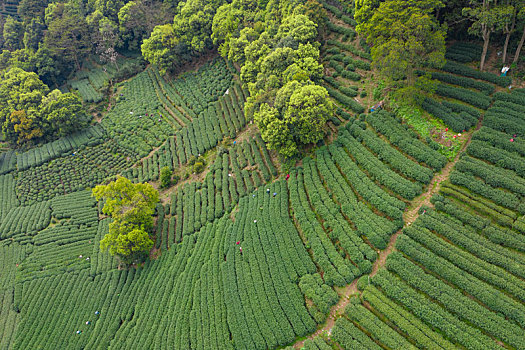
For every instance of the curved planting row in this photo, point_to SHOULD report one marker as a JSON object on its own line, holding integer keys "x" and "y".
{"x": 406, "y": 140}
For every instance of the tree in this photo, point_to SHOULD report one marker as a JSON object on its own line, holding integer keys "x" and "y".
{"x": 138, "y": 18}
{"x": 32, "y": 9}
{"x": 33, "y": 34}
{"x": 192, "y": 25}
{"x": 299, "y": 28}
{"x": 29, "y": 111}
{"x": 165, "y": 177}
{"x": 190, "y": 34}
{"x": 364, "y": 10}
{"x": 63, "y": 113}
{"x": 297, "y": 118}
{"x": 22, "y": 128}
{"x": 521, "y": 16}
{"x": 225, "y": 23}
{"x": 47, "y": 68}
{"x": 164, "y": 49}
{"x": 510, "y": 23}
{"x": 21, "y": 94}
{"x": 404, "y": 37}
{"x": 108, "y": 8}
{"x": 13, "y": 34}
{"x": 68, "y": 39}
{"x": 106, "y": 38}
{"x": 308, "y": 110}
{"x": 488, "y": 17}
{"x": 131, "y": 206}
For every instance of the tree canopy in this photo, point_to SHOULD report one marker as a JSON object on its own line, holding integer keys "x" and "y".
{"x": 131, "y": 206}
{"x": 487, "y": 17}
{"x": 280, "y": 65}
{"x": 53, "y": 39}
{"x": 28, "y": 110}
{"x": 297, "y": 118}
{"x": 404, "y": 36}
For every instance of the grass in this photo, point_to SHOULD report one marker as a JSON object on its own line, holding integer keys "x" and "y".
{"x": 424, "y": 124}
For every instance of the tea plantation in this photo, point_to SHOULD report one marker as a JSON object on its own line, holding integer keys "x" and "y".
{"x": 376, "y": 239}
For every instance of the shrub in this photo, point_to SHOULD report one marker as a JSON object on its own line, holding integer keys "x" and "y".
{"x": 474, "y": 98}
{"x": 198, "y": 167}
{"x": 165, "y": 177}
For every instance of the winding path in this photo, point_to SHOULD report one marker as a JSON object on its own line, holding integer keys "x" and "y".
{"x": 409, "y": 216}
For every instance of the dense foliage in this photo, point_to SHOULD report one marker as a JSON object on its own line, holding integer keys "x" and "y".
{"x": 404, "y": 35}
{"x": 131, "y": 207}
{"x": 53, "y": 38}
{"x": 30, "y": 111}
{"x": 249, "y": 250}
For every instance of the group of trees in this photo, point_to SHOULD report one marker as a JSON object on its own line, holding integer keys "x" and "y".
{"x": 276, "y": 44}
{"x": 280, "y": 65}
{"x": 52, "y": 38}
{"x": 404, "y": 36}
{"x": 30, "y": 111}
{"x": 131, "y": 207}
{"x": 496, "y": 17}
{"x": 408, "y": 35}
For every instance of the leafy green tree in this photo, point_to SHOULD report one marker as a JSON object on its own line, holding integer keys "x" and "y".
{"x": 29, "y": 111}
{"x": 297, "y": 118}
{"x": 131, "y": 206}
{"x": 297, "y": 27}
{"x": 32, "y": 9}
{"x": 21, "y": 127}
{"x": 138, "y": 18}
{"x": 308, "y": 110}
{"x": 404, "y": 37}
{"x": 316, "y": 12}
{"x": 521, "y": 17}
{"x": 22, "y": 59}
{"x": 108, "y": 8}
{"x": 225, "y": 23}
{"x": 48, "y": 69}
{"x": 20, "y": 91}
{"x": 275, "y": 131}
{"x": 364, "y": 10}
{"x": 63, "y": 113}
{"x": 189, "y": 35}
{"x": 127, "y": 242}
{"x": 487, "y": 17}
{"x": 13, "y": 34}
{"x": 33, "y": 34}
{"x": 68, "y": 39}
{"x": 164, "y": 49}
{"x": 132, "y": 20}
{"x": 165, "y": 177}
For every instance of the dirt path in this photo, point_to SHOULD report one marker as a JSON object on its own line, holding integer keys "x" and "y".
{"x": 409, "y": 216}
{"x": 249, "y": 131}
{"x": 336, "y": 310}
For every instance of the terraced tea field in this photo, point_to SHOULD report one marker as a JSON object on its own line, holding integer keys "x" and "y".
{"x": 382, "y": 238}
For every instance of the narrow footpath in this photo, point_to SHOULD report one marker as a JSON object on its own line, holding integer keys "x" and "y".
{"x": 409, "y": 216}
